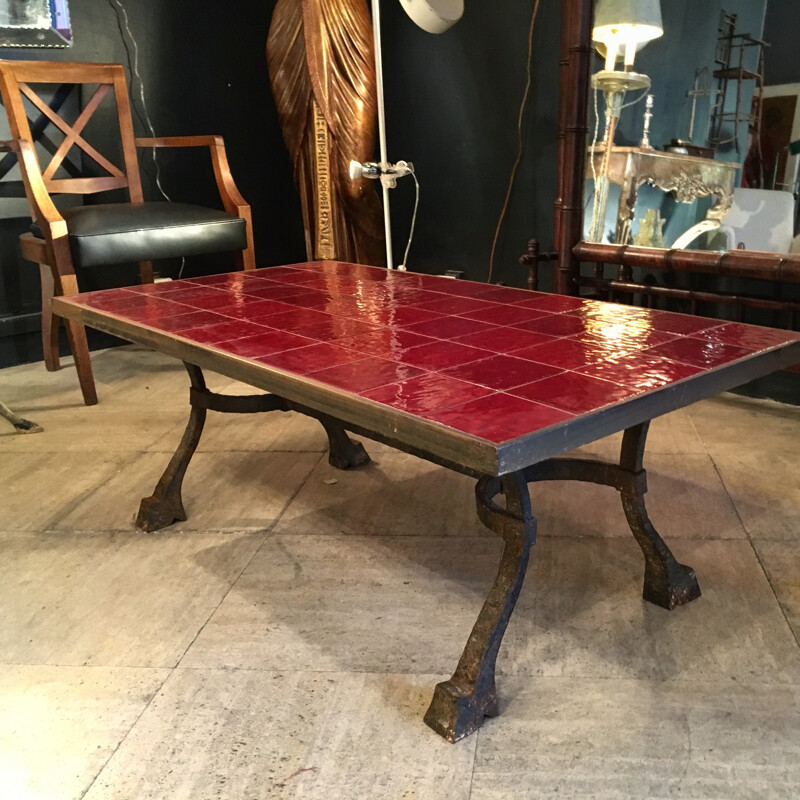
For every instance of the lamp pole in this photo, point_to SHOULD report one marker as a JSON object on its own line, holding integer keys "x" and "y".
{"x": 384, "y": 162}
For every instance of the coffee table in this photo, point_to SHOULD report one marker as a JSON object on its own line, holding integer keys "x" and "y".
{"x": 489, "y": 381}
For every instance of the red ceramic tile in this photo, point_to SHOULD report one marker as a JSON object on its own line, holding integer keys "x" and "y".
{"x": 294, "y": 319}
{"x": 569, "y": 353}
{"x": 152, "y": 313}
{"x": 699, "y": 352}
{"x": 427, "y": 394}
{"x": 194, "y": 319}
{"x": 440, "y": 355}
{"x": 750, "y": 337}
{"x": 313, "y": 358}
{"x": 222, "y": 332}
{"x": 501, "y": 315}
{"x": 262, "y": 344}
{"x": 280, "y": 272}
{"x": 365, "y": 374}
{"x": 209, "y": 302}
{"x": 552, "y": 302}
{"x": 641, "y": 371}
{"x": 499, "y": 417}
{"x": 458, "y": 288}
{"x": 555, "y": 325}
{"x": 306, "y": 298}
{"x": 158, "y": 288}
{"x": 401, "y": 316}
{"x": 334, "y": 330}
{"x": 385, "y": 341}
{"x": 271, "y": 290}
{"x": 573, "y": 392}
{"x": 252, "y": 308}
{"x": 449, "y": 327}
{"x": 457, "y": 305}
{"x": 504, "y": 340}
{"x": 680, "y": 323}
{"x": 501, "y": 372}
{"x": 505, "y": 294}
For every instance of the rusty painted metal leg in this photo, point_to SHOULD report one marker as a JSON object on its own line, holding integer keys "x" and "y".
{"x": 666, "y": 582}
{"x": 459, "y": 705}
{"x": 165, "y": 505}
{"x": 343, "y": 453}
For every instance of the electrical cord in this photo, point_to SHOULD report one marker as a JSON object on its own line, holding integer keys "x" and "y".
{"x": 133, "y": 65}
{"x": 403, "y": 266}
{"x": 520, "y": 144}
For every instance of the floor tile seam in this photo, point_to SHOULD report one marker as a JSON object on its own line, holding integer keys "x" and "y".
{"x": 756, "y": 554}
{"x": 146, "y": 706}
{"x": 268, "y": 536}
{"x": 67, "y": 665}
{"x": 83, "y": 497}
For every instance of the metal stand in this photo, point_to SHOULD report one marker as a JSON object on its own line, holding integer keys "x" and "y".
{"x": 460, "y": 704}
{"x": 165, "y": 505}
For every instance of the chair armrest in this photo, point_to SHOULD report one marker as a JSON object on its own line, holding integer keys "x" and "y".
{"x": 43, "y": 210}
{"x": 232, "y": 199}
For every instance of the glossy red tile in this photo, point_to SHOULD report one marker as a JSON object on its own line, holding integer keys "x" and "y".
{"x": 457, "y": 305}
{"x": 501, "y": 372}
{"x": 440, "y": 355}
{"x": 252, "y": 308}
{"x": 427, "y": 394}
{"x": 335, "y": 330}
{"x": 573, "y": 392}
{"x": 552, "y": 302}
{"x": 271, "y": 290}
{"x": 750, "y": 337}
{"x": 449, "y": 327}
{"x": 505, "y": 294}
{"x": 458, "y": 288}
{"x": 222, "y": 332}
{"x": 569, "y": 353}
{"x": 504, "y": 340}
{"x": 193, "y": 319}
{"x": 401, "y": 316}
{"x": 500, "y": 417}
{"x": 641, "y": 371}
{"x": 312, "y": 358}
{"x": 365, "y": 374}
{"x": 385, "y": 341}
{"x": 699, "y": 352}
{"x": 680, "y": 323}
{"x": 262, "y": 344}
{"x": 554, "y": 325}
{"x": 294, "y": 319}
{"x": 501, "y": 315}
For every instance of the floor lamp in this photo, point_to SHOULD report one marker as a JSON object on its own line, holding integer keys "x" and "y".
{"x": 433, "y": 16}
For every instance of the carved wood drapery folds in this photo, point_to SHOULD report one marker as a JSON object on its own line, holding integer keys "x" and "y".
{"x": 320, "y": 55}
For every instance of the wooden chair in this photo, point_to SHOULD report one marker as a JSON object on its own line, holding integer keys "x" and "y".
{"x": 110, "y": 233}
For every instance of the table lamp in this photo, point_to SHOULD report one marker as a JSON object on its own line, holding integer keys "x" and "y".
{"x": 621, "y": 28}
{"x": 433, "y": 16}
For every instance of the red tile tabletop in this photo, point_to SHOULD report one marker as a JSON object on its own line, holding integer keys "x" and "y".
{"x": 484, "y": 361}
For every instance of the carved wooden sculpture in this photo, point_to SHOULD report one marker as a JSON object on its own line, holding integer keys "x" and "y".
{"x": 320, "y": 55}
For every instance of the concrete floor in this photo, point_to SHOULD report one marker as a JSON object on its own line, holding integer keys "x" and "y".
{"x": 284, "y": 641}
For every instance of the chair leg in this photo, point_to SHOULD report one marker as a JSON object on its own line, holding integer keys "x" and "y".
{"x": 76, "y": 334}
{"x": 146, "y": 271}
{"x": 246, "y": 259}
{"x": 49, "y": 320}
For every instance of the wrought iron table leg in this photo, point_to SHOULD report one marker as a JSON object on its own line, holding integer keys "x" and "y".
{"x": 666, "y": 582}
{"x": 343, "y": 452}
{"x": 460, "y": 704}
{"x": 165, "y": 505}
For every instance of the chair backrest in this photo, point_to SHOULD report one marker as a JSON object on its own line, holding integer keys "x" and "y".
{"x": 17, "y": 81}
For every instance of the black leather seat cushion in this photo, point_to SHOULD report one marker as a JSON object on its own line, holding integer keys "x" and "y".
{"x": 116, "y": 233}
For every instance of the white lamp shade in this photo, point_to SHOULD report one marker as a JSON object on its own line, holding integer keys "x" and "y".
{"x": 434, "y": 16}
{"x": 631, "y": 22}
